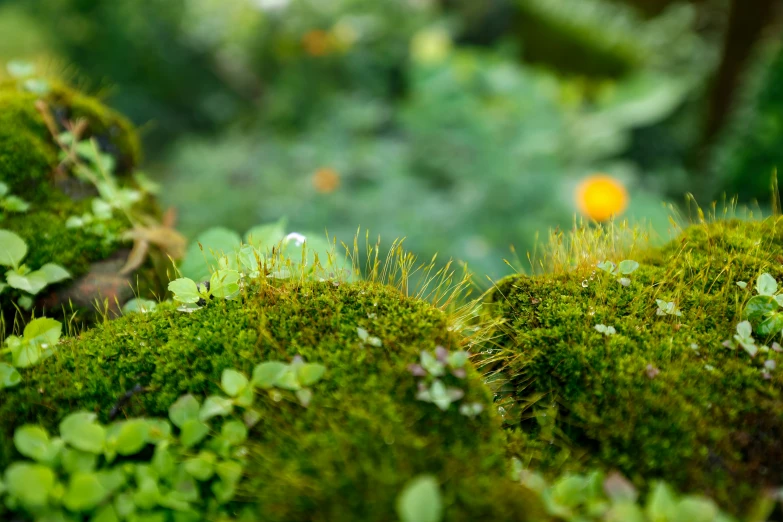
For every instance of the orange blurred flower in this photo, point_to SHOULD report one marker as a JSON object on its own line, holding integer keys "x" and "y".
{"x": 317, "y": 42}
{"x": 600, "y": 197}
{"x": 326, "y": 180}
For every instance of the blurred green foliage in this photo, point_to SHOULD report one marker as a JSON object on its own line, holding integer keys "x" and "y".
{"x": 752, "y": 149}
{"x": 464, "y": 126}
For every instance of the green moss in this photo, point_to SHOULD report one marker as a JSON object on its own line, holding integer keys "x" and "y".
{"x": 707, "y": 421}
{"x": 28, "y": 161}
{"x": 348, "y": 455}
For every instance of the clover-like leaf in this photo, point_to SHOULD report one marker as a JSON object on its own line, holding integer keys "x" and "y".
{"x": 192, "y": 432}
{"x": 288, "y": 379}
{"x": 81, "y": 431}
{"x": 53, "y": 273}
{"x": 627, "y": 267}
{"x": 12, "y": 248}
{"x": 184, "y": 409}
{"x": 224, "y": 283}
{"x": 130, "y": 436}
{"x": 215, "y": 406}
{"x": 758, "y": 306}
{"x": 33, "y": 442}
{"x": 310, "y": 373}
{"x": 184, "y": 290}
{"x": 202, "y": 466}
{"x": 84, "y": 492}
{"x": 766, "y": 285}
{"x": 265, "y": 375}
{"x": 420, "y": 500}
{"x": 458, "y": 359}
{"x": 9, "y": 376}
{"x": 233, "y": 382}
{"x": 32, "y": 282}
{"x": 772, "y": 324}
{"x": 234, "y": 432}
{"x": 744, "y": 329}
{"x": 31, "y": 484}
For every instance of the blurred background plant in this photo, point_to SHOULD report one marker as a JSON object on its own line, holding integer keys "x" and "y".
{"x": 464, "y": 126}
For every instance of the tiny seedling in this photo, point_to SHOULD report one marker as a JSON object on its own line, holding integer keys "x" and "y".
{"x": 744, "y": 339}
{"x": 606, "y": 330}
{"x": 667, "y": 308}
{"x": 37, "y": 342}
{"x": 625, "y": 268}
{"x": 762, "y": 310}
{"x": 10, "y": 203}
{"x": 433, "y": 369}
{"x": 222, "y": 284}
{"x": 13, "y": 250}
{"x": 366, "y": 338}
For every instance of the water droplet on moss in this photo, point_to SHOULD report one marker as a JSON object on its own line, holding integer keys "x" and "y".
{"x": 584, "y": 283}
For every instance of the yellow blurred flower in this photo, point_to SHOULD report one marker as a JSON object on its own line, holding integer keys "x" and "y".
{"x": 600, "y": 197}
{"x": 326, "y": 180}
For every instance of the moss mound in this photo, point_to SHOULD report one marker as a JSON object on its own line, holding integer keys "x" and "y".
{"x": 662, "y": 397}
{"x": 30, "y": 168}
{"x": 345, "y": 457}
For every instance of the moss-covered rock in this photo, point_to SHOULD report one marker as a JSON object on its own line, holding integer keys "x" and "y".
{"x": 30, "y": 167}
{"x": 347, "y": 456}
{"x": 662, "y": 397}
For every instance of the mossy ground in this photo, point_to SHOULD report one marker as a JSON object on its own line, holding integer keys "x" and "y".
{"x": 662, "y": 398}
{"x": 347, "y": 456}
{"x": 29, "y": 158}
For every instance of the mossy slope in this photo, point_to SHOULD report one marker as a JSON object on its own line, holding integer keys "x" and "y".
{"x": 348, "y": 455}
{"x": 662, "y": 398}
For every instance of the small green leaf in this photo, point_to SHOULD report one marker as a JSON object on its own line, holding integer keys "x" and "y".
{"x": 266, "y": 236}
{"x": 224, "y": 283}
{"x": 132, "y": 436}
{"x": 627, "y": 267}
{"x": 33, "y": 442}
{"x": 305, "y": 396}
{"x": 458, "y": 359}
{"x": 192, "y": 432}
{"x": 202, "y": 466}
{"x": 772, "y": 324}
{"x": 139, "y": 305}
{"x": 661, "y": 504}
{"x": 82, "y": 432}
{"x": 695, "y": 509}
{"x": 265, "y": 375}
{"x": 310, "y": 373}
{"x": 84, "y": 492}
{"x": 758, "y": 306}
{"x": 31, "y": 283}
{"x": 12, "y": 248}
{"x": 20, "y": 69}
{"x": 766, "y": 285}
{"x": 233, "y": 382}
{"x": 184, "y": 409}
{"x": 76, "y": 461}
{"x": 54, "y": 273}
{"x": 745, "y": 330}
{"x": 9, "y": 376}
{"x": 420, "y": 500}
{"x": 214, "y": 406}
{"x": 184, "y": 290}
{"x": 30, "y": 483}
{"x": 288, "y": 379}
{"x": 234, "y": 432}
